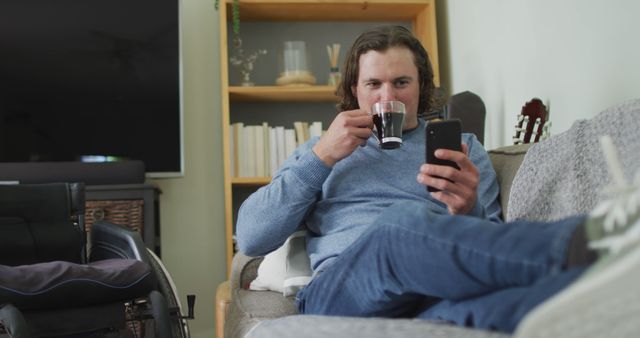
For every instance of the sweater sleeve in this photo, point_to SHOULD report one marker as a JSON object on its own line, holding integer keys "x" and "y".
{"x": 275, "y": 211}
{"x": 488, "y": 203}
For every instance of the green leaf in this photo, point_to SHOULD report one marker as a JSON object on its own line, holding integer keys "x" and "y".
{"x": 235, "y": 14}
{"x": 235, "y": 9}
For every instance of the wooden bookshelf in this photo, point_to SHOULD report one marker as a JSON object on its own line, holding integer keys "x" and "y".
{"x": 420, "y": 13}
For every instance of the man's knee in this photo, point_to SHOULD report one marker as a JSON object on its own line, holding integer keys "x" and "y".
{"x": 414, "y": 216}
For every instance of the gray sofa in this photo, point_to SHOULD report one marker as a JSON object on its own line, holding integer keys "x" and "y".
{"x": 561, "y": 176}
{"x": 246, "y": 313}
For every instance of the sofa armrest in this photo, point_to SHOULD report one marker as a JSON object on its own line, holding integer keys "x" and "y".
{"x": 506, "y": 162}
{"x": 223, "y": 301}
{"x": 244, "y": 269}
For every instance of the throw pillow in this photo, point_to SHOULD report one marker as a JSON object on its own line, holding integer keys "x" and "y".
{"x": 271, "y": 271}
{"x": 287, "y": 269}
{"x": 298, "y": 267}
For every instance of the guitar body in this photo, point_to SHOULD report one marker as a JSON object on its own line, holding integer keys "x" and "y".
{"x": 532, "y": 122}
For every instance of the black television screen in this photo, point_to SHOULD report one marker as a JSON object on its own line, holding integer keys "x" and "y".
{"x": 82, "y": 78}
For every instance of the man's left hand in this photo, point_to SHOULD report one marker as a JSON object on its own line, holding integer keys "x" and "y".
{"x": 458, "y": 188}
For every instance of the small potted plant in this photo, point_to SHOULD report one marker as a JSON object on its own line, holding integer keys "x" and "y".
{"x": 244, "y": 61}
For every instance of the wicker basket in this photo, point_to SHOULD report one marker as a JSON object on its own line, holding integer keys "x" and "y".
{"x": 128, "y": 213}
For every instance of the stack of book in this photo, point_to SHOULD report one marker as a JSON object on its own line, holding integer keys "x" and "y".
{"x": 260, "y": 150}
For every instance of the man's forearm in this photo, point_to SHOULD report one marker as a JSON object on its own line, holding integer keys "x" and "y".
{"x": 275, "y": 211}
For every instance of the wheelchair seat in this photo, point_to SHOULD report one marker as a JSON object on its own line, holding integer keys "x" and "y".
{"x": 51, "y": 286}
{"x": 48, "y": 285}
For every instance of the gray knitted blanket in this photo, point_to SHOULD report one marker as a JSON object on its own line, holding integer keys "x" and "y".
{"x": 564, "y": 175}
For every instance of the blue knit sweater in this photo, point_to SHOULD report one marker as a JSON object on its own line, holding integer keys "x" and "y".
{"x": 338, "y": 204}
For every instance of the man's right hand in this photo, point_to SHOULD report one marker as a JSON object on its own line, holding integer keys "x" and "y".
{"x": 348, "y": 130}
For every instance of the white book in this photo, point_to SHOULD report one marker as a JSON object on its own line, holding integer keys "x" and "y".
{"x": 315, "y": 129}
{"x": 259, "y": 143}
{"x": 250, "y": 141}
{"x": 266, "y": 162}
{"x": 240, "y": 151}
{"x": 289, "y": 141}
{"x": 297, "y": 126}
{"x": 282, "y": 154}
{"x": 273, "y": 151}
{"x": 305, "y": 131}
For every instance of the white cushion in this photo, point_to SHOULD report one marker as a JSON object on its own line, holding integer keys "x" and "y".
{"x": 287, "y": 269}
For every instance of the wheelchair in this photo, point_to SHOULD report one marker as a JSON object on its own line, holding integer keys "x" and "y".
{"x": 54, "y": 282}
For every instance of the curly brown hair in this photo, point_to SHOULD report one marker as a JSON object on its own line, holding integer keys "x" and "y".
{"x": 381, "y": 39}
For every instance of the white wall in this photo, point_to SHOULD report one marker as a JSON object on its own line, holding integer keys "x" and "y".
{"x": 192, "y": 207}
{"x": 577, "y": 56}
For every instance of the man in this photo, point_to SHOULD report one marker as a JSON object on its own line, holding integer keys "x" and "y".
{"x": 379, "y": 243}
{"x": 338, "y": 185}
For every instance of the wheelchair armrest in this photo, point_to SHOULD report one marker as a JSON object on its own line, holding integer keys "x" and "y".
{"x": 12, "y": 320}
{"x": 77, "y": 197}
{"x": 109, "y": 240}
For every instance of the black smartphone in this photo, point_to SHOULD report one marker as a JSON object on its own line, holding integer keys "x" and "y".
{"x": 444, "y": 134}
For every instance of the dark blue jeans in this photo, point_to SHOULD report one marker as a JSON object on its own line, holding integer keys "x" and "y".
{"x": 464, "y": 270}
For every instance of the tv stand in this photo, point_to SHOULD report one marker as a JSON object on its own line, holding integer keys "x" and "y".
{"x": 135, "y": 206}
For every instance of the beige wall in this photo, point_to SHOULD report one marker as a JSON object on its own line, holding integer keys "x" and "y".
{"x": 191, "y": 211}
{"x": 579, "y": 56}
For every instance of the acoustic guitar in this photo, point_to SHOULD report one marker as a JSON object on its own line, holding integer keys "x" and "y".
{"x": 533, "y": 123}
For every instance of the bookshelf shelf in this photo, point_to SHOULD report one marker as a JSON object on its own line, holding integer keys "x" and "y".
{"x": 283, "y": 94}
{"x": 420, "y": 14}
{"x": 250, "y": 181}
{"x": 329, "y": 10}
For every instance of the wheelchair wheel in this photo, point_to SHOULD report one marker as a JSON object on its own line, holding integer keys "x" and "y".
{"x": 179, "y": 326}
